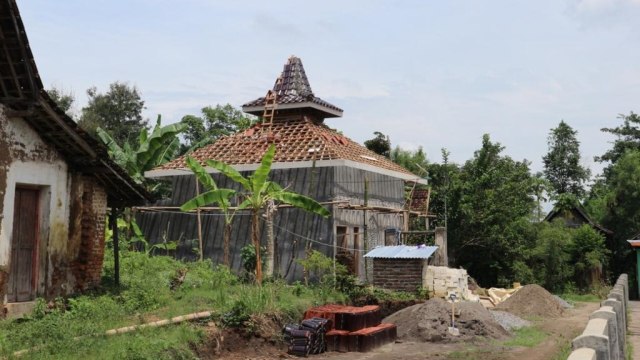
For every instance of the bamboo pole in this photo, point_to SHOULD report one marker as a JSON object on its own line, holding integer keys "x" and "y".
{"x": 128, "y": 329}
{"x": 199, "y": 222}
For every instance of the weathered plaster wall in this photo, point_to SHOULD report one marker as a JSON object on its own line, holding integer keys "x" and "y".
{"x": 28, "y": 160}
{"x": 4, "y": 167}
{"x": 72, "y": 212}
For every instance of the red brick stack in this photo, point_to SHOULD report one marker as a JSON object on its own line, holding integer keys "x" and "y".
{"x": 354, "y": 328}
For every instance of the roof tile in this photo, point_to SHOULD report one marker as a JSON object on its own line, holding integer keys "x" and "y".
{"x": 295, "y": 140}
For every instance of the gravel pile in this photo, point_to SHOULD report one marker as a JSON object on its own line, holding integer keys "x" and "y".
{"x": 562, "y": 302}
{"x": 429, "y": 322}
{"x": 509, "y": 321}
{"x": 532, "y": 300}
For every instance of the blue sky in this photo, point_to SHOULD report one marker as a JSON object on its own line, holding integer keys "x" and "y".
{"x": 427, "y": 73}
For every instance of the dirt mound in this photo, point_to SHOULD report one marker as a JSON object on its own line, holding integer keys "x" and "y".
{"x": 532, "y": 300}
{"x": 429, "y": 321}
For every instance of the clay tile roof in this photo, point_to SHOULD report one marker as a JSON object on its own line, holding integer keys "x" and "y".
{"x": 292, "y": 87}
{"x": 296, "y": 140}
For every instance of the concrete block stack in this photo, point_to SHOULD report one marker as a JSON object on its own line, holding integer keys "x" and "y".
{"x": 604, "y": 337}
{"x": 442, "y": 281}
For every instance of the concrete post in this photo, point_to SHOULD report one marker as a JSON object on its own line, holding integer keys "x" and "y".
{"x": 623, "y": 281}
{"x": 622, "y": 329}
{"x": 607, "y": 313}
{"x": 618, "y": 295}
{"x": 595, "y": 337}
{"x": 442, "y": 259}
{"x": 583, "y": 354}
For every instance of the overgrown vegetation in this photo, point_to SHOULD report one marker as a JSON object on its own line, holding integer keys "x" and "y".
{"x": 146, "y": 295}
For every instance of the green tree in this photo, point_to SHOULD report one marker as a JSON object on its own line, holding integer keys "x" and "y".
{"x": 562, "y": 162}
{"x": 414, "y": 161}
{"x": 150, "y": 151}
{"x": 214, "y": 122}
{"x": 540, "y": 188}
{"x": 118, "y": 112}
{"x": 627, "y": 138}
{"x": 490, "y": 206}
{"x": 258, "y": 193}
{"x": 442, "y": 179}
{"x": 623, "y": 209}
{"x": 380, "y": 144}
{"x": 588, "y": 255}
{"x": 552, "y": 256}
{"x": 63, "y": 99}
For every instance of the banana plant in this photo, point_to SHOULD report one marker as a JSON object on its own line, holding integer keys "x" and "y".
{"x": 154, "y": 149}
{"x": 213, "y": 195}
{"x": 257, "y": 193}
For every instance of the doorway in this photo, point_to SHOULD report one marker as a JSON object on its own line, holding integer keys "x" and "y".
{"x": 24, "y": 246}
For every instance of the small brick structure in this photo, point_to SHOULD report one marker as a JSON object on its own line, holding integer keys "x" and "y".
{"x": 400, "y": 267}
{"x": 398, "y": 274}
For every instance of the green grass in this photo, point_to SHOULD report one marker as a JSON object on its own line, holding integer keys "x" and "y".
{"x": 573, "y": 298}
{"x": 473, "y": 353}
{"x": 145, "y": 295}
{"x": 527, "y": 337}
{"x": 565, "y": 350}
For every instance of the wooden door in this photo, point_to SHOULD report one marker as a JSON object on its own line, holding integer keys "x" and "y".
{"x": 24, "y": 246}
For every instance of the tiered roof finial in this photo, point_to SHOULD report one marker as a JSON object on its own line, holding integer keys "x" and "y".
{"x": 294, "y": 93}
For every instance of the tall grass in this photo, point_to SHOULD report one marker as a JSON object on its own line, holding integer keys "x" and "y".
{"x": 146, "y": 295}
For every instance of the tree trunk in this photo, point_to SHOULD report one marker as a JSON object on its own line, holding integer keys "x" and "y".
{"x": 255, "y": 237}
{"x": 270, "y": 253}
{"x": 227, "y": 241}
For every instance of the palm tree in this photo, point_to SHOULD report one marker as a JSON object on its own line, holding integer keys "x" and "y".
{"x": 258, "y": 193}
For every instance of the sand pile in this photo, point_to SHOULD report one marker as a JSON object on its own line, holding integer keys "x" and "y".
{"x": 429, "y": 321}
{"x": 532, "y": 300}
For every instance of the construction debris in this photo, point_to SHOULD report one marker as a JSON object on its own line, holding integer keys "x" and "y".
{"x": 307, "y": 337}
{"x": 441, "y": 281}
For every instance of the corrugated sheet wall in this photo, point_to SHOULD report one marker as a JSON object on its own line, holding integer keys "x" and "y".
{"x": 293, "y": 227}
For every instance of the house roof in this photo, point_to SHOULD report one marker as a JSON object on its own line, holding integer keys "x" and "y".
{"x": 582, "y": 213}
{"x": 22, "y": 92}
{"x": 402, "y": 252}
{"x": 294, "y": 92}
{"x": 634, "y": 243}
{"x": 301, "y": 140}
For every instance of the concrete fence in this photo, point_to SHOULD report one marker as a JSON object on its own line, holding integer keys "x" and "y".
{"x": 604, "y": 337}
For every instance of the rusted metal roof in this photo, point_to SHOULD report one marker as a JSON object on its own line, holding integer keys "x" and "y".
{"x": 22, "y": 92}
{"x": 402, "y": 252}
{"x": 293, "y": 90}
{"x": 296, "y": 140}
{"x": 634, "y": 243}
